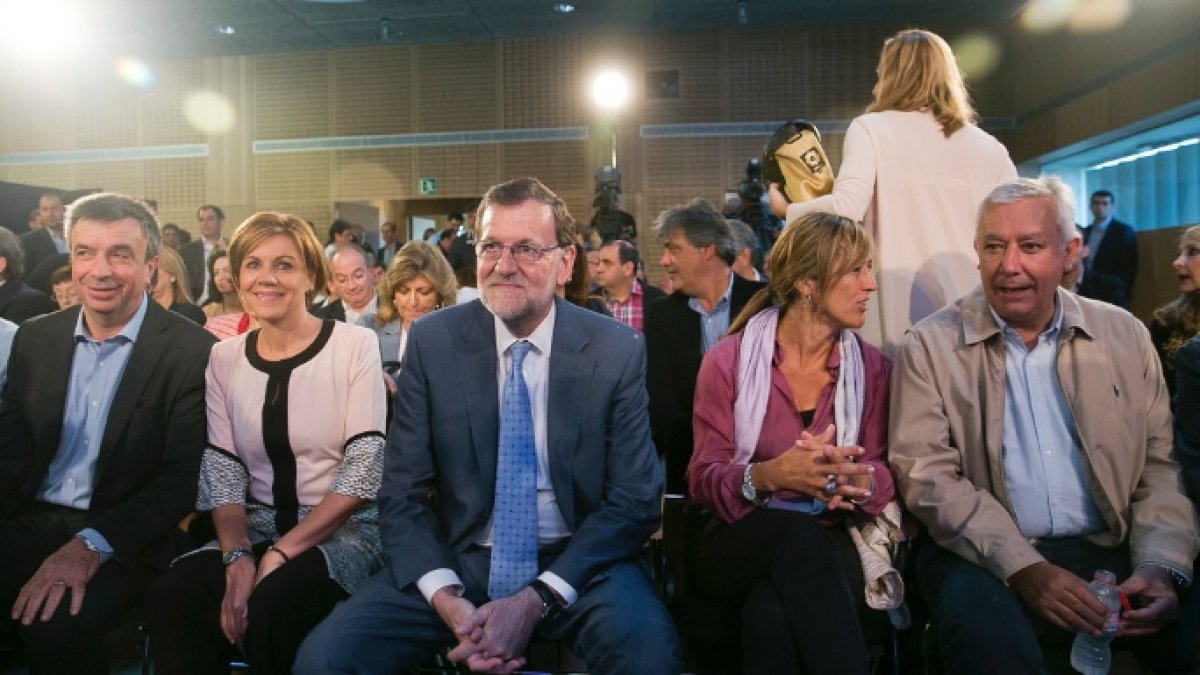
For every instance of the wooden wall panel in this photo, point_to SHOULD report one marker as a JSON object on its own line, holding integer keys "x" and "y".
{"x": 561, "y": 165}
{"x": 832, "y": 142}
{"x": 319, "y": 213}
{"x": 461, "y": 170}
{"x": 1100, "y": 82}
{"x": 693, "y": 164}
{"x": 373, "y": 91}
{"x": 180, "y": 187}
{"x": 161, "y": 116}
{"x": 1079, "y": 59}
{"x": 54, "y": 175}
{"x": 293, "y": 181}
{"x": 697, "y": 57}
{"x": 1159, "y": 86}
{"x": 291, "y": 95}
{"x": 39, "y": 113}
{"x": 374, "y": 174}
{"x": 779, "y": 92}
{"x": 842, "y": 69}
{"x": 823, "y": 73}
{"x": 543, "y": 84}
{"x": 457, "y": 87}
{"x": 107, "y": 116}
{"x": 122, "y": 177}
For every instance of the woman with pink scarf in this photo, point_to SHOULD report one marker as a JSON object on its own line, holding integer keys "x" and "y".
{"x": 790, "y": 425}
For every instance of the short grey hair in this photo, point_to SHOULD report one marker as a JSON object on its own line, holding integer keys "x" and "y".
{"x": 1048, "y": 187}
{"x": 110, "y": 207}
{"x": 743, "y": 235}
{"x": 702, "y": 225}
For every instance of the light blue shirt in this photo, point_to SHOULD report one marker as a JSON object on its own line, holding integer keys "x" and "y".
{"x": 96, "y": 370}
{"x": 716, "y": 322}
{"x": 1044, "y": 468}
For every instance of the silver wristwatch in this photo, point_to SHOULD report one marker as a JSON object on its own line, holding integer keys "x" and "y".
{"x": 234, "y": 553}
{"x": 748, "y": 489}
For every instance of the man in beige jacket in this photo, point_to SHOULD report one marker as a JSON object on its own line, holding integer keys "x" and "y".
{"x": 1031, "y": 436}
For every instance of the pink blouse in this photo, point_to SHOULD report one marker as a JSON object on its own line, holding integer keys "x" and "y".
{"x": 716, "y": 484}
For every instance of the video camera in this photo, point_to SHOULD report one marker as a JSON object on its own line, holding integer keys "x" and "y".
{"x": 751, "y": 188}
{"x": 609, "y": 221}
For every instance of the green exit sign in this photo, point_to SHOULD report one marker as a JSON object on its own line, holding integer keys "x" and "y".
{"x": 428, "y": 185}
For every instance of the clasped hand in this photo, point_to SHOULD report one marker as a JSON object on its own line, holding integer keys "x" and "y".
{"x": 812, "y": 464}
{"x": 492, "y": 638}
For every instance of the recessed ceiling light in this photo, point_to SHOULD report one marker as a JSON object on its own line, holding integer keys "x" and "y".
{"x": 225, "y": 30}
{"x": 564, "y": 8}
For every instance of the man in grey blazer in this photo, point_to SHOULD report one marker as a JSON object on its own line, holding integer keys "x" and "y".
{"x": 477, "y": 379}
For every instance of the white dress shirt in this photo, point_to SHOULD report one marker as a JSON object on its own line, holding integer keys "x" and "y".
{"x": 352, "y": 316}
{"x": 551, "y": 526}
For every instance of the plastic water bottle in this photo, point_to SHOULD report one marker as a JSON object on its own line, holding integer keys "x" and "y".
{"x": 1090, "y": 655}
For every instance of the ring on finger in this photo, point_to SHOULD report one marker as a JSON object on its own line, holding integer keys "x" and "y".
{"x": 831, "y": 485}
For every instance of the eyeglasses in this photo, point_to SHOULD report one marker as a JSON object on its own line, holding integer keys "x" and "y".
{"x": 523, "y": 252}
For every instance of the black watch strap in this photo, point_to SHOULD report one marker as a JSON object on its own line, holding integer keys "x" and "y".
{"x": 551, "y": 605}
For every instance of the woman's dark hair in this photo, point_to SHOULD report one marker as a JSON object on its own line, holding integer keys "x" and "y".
{"x": 576, "y": 290}
{"x": 337, "y": 227}
{"x": 214, "y": 295}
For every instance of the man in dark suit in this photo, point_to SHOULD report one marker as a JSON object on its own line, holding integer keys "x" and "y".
{"x": 350, "y": 274}
{"x": 1092, "y": 284}
{"x": 461, "y": 251}
{"x": 41, "y": 244}
{"x": 211, "y": 222}
{"x": 698, "y": 250}
{"x": 518, "y": 488}
{"x": 389, "y": 245}
{"x": 616, "y": 277}
{"x": 102, "y": 425}
{"x": 18, "y": 301}
{"x": 1113, "y": 243}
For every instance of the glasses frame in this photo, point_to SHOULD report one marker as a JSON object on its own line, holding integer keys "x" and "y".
{"x": 531, "y": 253}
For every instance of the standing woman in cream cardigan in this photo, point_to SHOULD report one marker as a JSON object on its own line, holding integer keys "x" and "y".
{"x": 914, "y": 171}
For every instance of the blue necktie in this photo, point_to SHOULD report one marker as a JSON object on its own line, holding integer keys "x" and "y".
{"x": 514, "y": 518}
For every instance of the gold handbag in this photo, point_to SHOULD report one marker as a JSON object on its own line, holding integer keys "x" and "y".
{"x": 794, "y": 158}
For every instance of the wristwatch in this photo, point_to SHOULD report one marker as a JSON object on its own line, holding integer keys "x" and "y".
{"x": 748, "y": 489}
{"x": 551, "y": 605}
{"x": 234, "y": 553}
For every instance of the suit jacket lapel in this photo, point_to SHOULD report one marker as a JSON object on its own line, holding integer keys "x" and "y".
{"x": 148, "y": 349}
{"x": 59, "y": 354}
{"x": 476, "y": 363}
{"x": 7, "y": 292}
{"x": 741, "y": 293}
{"x": 689, "y": 336}
{"x": 570, "y": 380}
